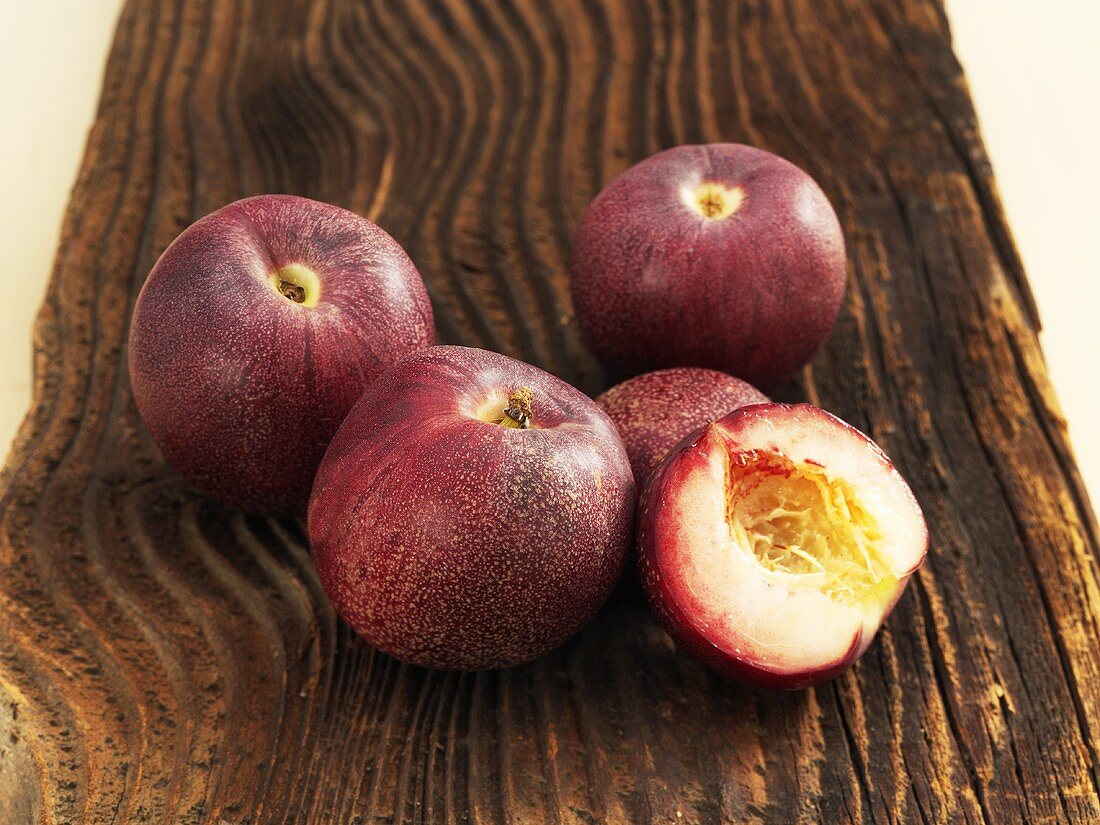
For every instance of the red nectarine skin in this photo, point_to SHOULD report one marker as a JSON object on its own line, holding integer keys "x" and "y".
{"x": 725, "y": 639}
{"x": 655, "y": 411}
{"x": 721, "y": 256}
{"x": 243, "y": 385}
{"x": 451, "y": 541}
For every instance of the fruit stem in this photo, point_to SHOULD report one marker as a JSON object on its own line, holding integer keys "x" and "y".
{"x": 517, "y": 414}
{"x": 292, "y": 291}
{"x": 297, "y": 283}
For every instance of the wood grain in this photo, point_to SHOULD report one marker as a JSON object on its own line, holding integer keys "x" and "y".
{"x": 165, "y": 660}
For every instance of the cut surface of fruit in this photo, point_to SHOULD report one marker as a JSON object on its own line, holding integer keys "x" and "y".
{"x": 800, "y": 523}
{"x": 775, "y": 541}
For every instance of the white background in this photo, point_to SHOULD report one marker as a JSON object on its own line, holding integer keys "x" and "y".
{"x": 1034, "y": 70}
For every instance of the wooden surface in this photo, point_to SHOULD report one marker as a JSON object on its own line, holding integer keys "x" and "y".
{"x": 163, "y": 659}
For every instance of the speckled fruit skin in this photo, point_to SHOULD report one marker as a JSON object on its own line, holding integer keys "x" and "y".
{"x": 449, "y": 541}
{"x": 241, "y": 387}
{"x": 661, "y": 537}
{"x": 656, "y": 284}
{"x": 655, "y": 411}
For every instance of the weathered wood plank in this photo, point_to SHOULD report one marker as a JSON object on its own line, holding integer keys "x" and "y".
{"x": 164, "y": 659}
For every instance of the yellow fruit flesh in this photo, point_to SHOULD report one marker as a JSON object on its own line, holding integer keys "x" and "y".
{"x": 797, "y": 522}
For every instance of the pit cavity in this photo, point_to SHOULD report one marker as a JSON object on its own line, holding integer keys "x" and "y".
{"x": 794, "y": 520}
{"x": 713, "y": 200}
{"x": 297, "y": 283}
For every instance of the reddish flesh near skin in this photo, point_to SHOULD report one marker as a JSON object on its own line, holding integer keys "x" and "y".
{"x": 753, "y": 294}
{"x": 662, "y": 540}
{"x": 655, "y": 411}
{"x": 451, "y": 542}
{"x": 241, "y": 388}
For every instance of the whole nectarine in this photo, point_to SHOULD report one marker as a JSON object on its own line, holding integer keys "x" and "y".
{"x": 721, "y": 256}
{"x": 257, "y": 330}
{"x": 655, "y": 411}
{"x": 472, "y": 512}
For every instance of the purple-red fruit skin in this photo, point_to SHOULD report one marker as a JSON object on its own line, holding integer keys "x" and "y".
{"x": 450, "y": 541}
{"x": 656, "y": 284}
{"x": 655, "y": 411}
{"x": 241, "y": 387}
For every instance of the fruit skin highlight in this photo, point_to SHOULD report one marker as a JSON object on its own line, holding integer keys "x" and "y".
{"x": 721, "y": 256}
{"x": 656, "y": 410}
{"x": 712, "y": 592}
{"x": 256, "y": 332}
{"x": 449, "y": 537}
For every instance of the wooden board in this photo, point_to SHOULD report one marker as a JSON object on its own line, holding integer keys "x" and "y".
{"x": 163, "y": 659}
